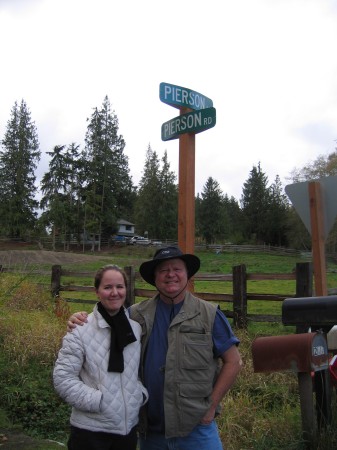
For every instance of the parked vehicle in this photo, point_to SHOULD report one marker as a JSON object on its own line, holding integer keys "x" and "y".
{"x": 119, "y": 239}
{"x": 140, "y": 240}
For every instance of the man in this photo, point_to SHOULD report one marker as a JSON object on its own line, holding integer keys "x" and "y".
{"x": 183, "y": 340}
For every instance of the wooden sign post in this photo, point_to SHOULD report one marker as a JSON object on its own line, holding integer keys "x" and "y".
{"x": 186, "y": 203}
{"x": 318, "y": 238}
{"x": 315, "y": 202}
{"x": 196, "y": 115}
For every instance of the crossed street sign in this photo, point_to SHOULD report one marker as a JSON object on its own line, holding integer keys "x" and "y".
{"x": 200, "y": 119}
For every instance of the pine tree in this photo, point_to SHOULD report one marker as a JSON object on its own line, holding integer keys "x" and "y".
{"x": 277, "y": 215}
{"x": 59, "y": 188}
{"x": 19, "y": 157}
{"x": 233, "y": 220}
{"x": 197, "y": 216}
{"x": 108, "y": 191}
{"x": 157, "y": 199}
{"x": 168, "y": 207}
{"x": 149, "y": 196}
{"x": 255, "y": 201}
{"x": 211, "y": 212}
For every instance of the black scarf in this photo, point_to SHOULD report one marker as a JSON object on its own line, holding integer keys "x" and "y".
{"x": 121, "y": 336}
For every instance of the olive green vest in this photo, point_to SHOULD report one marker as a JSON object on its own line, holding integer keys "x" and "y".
{"x": 191, "y": 369}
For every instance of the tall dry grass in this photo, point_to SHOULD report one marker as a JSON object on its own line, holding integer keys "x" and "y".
{"x": 31, "y": 331}
{"x": 260, "y": 409}
{"x": 31, "y": 324}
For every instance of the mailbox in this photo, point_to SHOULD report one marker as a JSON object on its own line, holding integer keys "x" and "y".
{"x": 306, "y": 352}
{"x": 314, "y": 312}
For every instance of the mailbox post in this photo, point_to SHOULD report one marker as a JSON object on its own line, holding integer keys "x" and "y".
{"x": 314, "y": 313}
{"x": 300, "y": 353}
{"x": 305, "y": 353}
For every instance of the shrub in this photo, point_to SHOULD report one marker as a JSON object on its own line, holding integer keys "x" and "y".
{"x": 27, "y": 393}
{"x": 30, "y": 337}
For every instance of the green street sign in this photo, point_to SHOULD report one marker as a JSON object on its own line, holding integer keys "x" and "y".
{"x": 179, "y": 97}
{"x": 193, "y": 122}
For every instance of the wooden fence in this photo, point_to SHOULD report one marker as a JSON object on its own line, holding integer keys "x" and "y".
{"x": 239, "y": 298}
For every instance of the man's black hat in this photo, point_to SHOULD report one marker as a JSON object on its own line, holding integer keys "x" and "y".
{"x": 147, "y": 268}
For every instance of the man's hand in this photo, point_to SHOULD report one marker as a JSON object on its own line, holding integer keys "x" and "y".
{"x": 208, "y": 417}
{"x": 78, "y": 318}
{"x": 230, "y": 369}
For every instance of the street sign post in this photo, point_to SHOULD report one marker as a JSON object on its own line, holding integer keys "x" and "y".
{"x": 315, "y": 202}
{"x": 192, "y": 122}
{"x": 196, "y": 114}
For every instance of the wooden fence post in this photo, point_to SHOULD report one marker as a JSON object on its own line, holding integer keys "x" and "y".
{"x": 240, "y": 296}
{"x": 130, "y": 291}
{"x": 322, "y": 383}
{"x": 304, "y": 285}
{"x": 55, "y": 280}
{"x": 304, "y": 280}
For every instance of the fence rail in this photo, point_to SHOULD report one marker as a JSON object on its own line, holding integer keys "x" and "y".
{"x": 239, "y": 277}
{"x": 66, "y": 243}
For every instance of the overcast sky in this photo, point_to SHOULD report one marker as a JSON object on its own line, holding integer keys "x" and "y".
{"x": 270, "y": 67}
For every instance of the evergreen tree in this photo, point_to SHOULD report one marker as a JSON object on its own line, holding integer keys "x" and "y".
{"x": 60, "y": 190}
{"x": 108, "y": 192}
{"x": 157, "y": 199}
{"x": 255, "y": 201}
{"x": 277, "y": 215}
{"x": 197, "y": 217}
{"x": 297, "y": 234}
{"x": 233, "y": 220}
{"x": 149, "y": 196}
{"x": 168, "y": 208}
{"x": 19, "y": 157}
{"x": 74, "y": 191}
{"x": 211, "y": 212}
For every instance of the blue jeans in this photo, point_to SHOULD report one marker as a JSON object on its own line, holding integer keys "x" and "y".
{"x": 202, "y": 437}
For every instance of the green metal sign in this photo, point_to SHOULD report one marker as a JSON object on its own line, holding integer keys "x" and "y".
{"x": 193, "y": 122}
{"x": 179, "y": 97}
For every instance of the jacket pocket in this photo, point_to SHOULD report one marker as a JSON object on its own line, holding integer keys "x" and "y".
{"x": 193, "y": 403}
{"x": 196, "y": 351}
{"x": 195, "y": 390}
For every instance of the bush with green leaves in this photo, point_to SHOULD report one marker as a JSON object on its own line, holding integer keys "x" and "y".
{"x": 27, "y": 394}
{"x": 30, "y": 337}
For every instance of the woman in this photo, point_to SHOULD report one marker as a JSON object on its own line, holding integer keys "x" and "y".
{"x": 97, "y": 371}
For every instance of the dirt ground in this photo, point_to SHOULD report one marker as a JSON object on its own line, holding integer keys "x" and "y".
{"x": 10, "y": 258}
{"x": 12, "y": 439}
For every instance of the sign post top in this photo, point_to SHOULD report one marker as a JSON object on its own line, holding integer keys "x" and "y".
{"x": 179, "y": 97}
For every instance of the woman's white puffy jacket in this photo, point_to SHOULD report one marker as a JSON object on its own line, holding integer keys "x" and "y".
{"x": 101, "y": 400}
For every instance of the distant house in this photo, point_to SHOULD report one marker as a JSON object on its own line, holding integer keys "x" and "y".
{"x": 125, "y": 228}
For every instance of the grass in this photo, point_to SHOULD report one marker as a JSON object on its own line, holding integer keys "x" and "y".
{"x": 260, "y": 412}
{"x": 30, "y": 337}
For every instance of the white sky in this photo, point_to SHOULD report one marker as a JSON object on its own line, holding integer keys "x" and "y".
{"x": 270, "y": 67}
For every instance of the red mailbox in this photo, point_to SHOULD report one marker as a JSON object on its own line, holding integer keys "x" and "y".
{"x": 305, "y": 352}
